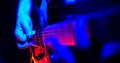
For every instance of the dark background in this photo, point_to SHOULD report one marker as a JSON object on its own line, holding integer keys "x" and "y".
{"x": 11, "y": 54}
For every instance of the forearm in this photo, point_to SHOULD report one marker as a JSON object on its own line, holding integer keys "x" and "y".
{"x": 24, "y": 8}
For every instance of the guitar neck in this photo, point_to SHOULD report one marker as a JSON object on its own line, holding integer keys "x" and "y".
{"x": 63, "y": 32}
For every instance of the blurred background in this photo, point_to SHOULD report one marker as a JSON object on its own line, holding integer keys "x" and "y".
{"x": 102, "y": 18}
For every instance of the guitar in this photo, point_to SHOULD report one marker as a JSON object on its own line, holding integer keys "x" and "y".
{"x": 63, "y": 32}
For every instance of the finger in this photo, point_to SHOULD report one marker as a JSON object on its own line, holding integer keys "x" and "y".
{"x": 23, "y": 46}
{"x": 31, "y": 24}
{"x": 31, "y": 27}
{"x": 33, "y": 32}
{"x": 27, "y": 29}
{"x": 19, "y": 34}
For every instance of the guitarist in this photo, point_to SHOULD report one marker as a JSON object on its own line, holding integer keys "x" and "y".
{"x": 24, "y": 24}
{"x": 29, "y": 11}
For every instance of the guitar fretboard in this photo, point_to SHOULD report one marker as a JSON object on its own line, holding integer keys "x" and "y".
{"x": 38, "y": 36}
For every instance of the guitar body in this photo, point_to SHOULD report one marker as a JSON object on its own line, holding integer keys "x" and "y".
{"x": 40, "y": 55}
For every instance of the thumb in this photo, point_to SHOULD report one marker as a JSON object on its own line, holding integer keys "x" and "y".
{"x": 30, "y": 34}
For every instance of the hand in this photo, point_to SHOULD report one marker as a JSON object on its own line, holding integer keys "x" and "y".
{"x": 23, "y": 31}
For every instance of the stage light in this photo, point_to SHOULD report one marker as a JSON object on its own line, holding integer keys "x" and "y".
{"x": 70, "y": 1}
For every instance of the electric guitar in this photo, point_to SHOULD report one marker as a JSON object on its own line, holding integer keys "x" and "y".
{"x": 63, "y": 32}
